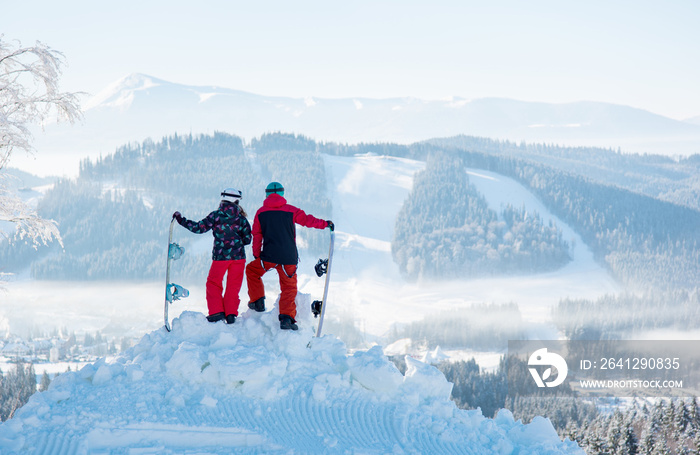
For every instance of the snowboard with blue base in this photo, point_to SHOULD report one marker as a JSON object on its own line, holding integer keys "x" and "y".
{"x": 172, "y": 291}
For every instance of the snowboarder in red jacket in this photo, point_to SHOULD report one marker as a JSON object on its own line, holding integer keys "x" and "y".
{"x": 274, "y": 247}
{"x": 231, "y": 233}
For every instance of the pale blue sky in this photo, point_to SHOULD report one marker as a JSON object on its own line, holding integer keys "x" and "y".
{"x": 639, "y": 53}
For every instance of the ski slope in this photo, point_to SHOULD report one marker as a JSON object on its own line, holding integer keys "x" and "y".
{"x": 251, "y": 388}
{"x": 367, "y": 193}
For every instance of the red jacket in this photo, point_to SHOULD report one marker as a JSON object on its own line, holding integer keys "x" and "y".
{"x": 274, "y": 230}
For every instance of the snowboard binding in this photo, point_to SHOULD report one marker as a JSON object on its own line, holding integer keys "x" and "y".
{"x": 316, "y": 307}
{"x": 175, "y": 292}
{"x": 321, "y": 267}
{"x": 175, "y": 251}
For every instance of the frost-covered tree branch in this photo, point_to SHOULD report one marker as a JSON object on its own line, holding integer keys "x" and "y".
{"x": 27, "y": 224}
{"x": 29, "y": 94}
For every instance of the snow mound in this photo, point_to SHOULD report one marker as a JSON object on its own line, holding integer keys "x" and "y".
{"x": 434, "y": 357}
{"x": 253, "y": 388}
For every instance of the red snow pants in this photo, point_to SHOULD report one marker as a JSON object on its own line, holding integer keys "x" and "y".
{"x": 219, "y": 301}
{"x": 288, "y": 284}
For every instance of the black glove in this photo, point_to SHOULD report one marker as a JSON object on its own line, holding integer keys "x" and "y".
{"x": 331, "y": 225}
{"x": 178, "y": 217}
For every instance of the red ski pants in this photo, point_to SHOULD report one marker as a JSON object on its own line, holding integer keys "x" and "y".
{"x": 217, "y": 300}
{"x": 288, "y": 284}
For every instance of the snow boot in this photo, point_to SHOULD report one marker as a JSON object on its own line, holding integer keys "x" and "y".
{"x": 287, "y": 323}
{"x": 216, "y": 317}
{"x": 258, "y": 305}
{"x": 230, "y": 319}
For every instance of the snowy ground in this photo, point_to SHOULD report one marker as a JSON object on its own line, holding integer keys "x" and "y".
{"x": 252, "y": 388}
{"x": 367, "y": 193}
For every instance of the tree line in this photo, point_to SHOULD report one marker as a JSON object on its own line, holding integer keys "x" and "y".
{"x": 625, "y": 315}
{"x": 482, "y": 327}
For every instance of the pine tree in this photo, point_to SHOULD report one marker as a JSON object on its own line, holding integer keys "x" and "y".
{"x": 595, "y": 443}
{"x": 572, "y": 432}
{"x": 694, "y": 418}
{"x": 614, "y": 433}
{"x": 661, "y": 448}
{"x": 45, "y": 382}
{"x": 629, "y": 444}
{"x": 696, "y": 444}
{"x": 682, "y": 421}
{"x": 648, "y": 441}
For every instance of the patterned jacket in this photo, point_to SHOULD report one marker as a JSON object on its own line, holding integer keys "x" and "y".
{"x": 230, "y": 228}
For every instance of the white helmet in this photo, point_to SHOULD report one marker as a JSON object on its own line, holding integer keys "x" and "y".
{"x": 231, "y": 195}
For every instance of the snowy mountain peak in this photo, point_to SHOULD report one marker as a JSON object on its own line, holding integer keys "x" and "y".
{"x": 120, "y": 94}
{"x": 139, "y": 106}
{"x": 252, "y": 388}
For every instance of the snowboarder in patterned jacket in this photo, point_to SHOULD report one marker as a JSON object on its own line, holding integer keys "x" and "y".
{"x": 231, "y": 232}
{"x": 274, "y": 247}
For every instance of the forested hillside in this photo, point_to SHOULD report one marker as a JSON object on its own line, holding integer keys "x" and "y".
{"x": 644, "y": 241}
{"x": 446, "y": 229}
{"x": 639, "y": 214}
{"x": 114, "y": 216}
{"x": 661, "y": 177}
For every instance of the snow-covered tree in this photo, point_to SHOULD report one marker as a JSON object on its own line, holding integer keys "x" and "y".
{"x": 29, "y": 95}
{"x": 45, "y": 382}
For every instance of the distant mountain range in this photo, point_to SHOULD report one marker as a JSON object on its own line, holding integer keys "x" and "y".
{"x": 693, "y": 120}
{"x": 139, "y": 106}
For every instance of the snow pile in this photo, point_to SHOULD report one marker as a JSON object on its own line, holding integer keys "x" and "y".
{"x": 252, "y": 388}
{"x": 434, "y": 357}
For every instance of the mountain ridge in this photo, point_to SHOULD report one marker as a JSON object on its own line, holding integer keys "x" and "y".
{"x": 138, "y": 107}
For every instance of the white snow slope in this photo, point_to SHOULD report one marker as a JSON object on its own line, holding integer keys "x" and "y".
{"x": 367, "y": 193}
{"x": 252, "y": 388}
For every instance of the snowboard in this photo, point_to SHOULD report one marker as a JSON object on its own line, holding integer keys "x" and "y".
{"x": 318, "y": 307}
{"x": 172, "y": 291}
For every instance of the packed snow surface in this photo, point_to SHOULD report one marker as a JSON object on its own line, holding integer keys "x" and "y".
{"x": 253, "y": 388}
